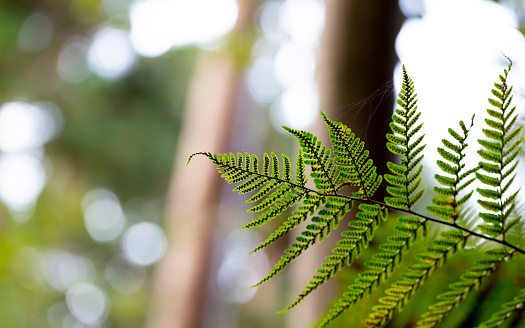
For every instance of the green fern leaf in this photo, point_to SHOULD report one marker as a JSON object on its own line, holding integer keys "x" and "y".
{"x": 447, "y": 206}
{"x": 459, "y": 290}
{"x": 348, "y": 249}
{"x": 509, "y": 308}
{"x": 500, "y": 155}
{"x": 404, "y": 128}
{"x": 368, "y": 280}
{"x": 327, "y": 219}
{"x": 275, "y": 193}
{"x": 351, "y": 160}
{"x": 319, "y": 159}
{"x": 311, "y": 203}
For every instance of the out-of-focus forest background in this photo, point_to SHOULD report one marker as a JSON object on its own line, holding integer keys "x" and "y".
{"x": 102, "y": 102}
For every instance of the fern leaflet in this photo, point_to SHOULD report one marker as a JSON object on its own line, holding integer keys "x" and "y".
{"x": 328, "y": 218}
{"x": 459, "y": 290}
{"x": 319, "y": 159}
{"x": 447, "y": 205}
{"x": 383, "y": 263}
{"x": 499, "y": 153}
{"x": 401, "y": 291}
{"x": 404, "y": 182}
{"x": 355, "y": 169}
{"x": 509, "y": 308}
{"x": 348, "y": 249}
{"x": 276, "y": 192}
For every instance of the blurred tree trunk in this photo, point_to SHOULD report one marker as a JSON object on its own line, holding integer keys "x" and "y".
{"x": 181, "y": 278}
{"x": 357, "y": 59}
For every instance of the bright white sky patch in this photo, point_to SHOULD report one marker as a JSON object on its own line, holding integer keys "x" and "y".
{"x": 303, "y": 20}
{"x": 294, "y": 63}
{"x": 261, "y": 80}
{"x": 455, "y": 64}
{"x": 87, "y": 303}
{"x": 297, "y": 108}
{"x": 22, "y": 178}
{"x": 269, "y": 21}
{"x": 104, "y": 219}
{"x": 159, "y": 25}
{"x": 111, "y": 55}
{"x": 144, "y": 243}
{"x": 296, "y": 27}
{"x": 24, "y": 126}
{"x": 412, "y": 7}
{"x": 62, "y": 270}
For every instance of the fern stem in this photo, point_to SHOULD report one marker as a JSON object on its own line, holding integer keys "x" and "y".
{"x": 454, "y": 225}
{"x": 450, "y": 224}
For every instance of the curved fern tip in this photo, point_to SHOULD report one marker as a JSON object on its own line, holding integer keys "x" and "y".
{"x": 193, "y": 155}
{"x": 286, "y": 128}
{"x": 510, "y": 61}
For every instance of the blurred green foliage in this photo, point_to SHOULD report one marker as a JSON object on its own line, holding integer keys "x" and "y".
{"x": 119, "y": 135}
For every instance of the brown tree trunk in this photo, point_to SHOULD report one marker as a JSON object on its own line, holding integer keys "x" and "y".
{"x": 357, "y": 59}
{"x": 181, "y": 278}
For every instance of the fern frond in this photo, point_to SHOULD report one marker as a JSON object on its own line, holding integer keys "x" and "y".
{"x": 499, "y": 160}
{"x": 461, "y": 289}
{"x": 272, "y": 190}
{"x": 401, "y": 291}
{"x": 400, "y": 143}
{"x": 447, "y": 205}
{"x": 348, "y": 249}
{"x": 382, "y": 264}
{"x": 352, "y": 161}
{"x": 509, "y": 308}
{"x": 326, "y": 219}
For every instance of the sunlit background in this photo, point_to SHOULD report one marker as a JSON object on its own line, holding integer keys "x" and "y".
{"x": 94, "y": 95}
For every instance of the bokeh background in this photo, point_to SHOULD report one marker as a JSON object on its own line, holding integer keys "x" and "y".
{"x": 102, "y": 101}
